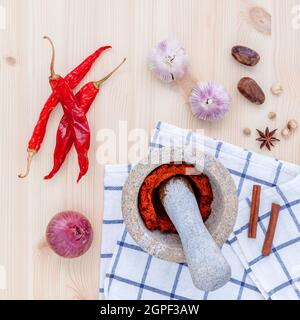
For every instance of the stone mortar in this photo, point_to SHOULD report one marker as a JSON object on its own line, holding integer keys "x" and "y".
{"x": 224, "y": 207}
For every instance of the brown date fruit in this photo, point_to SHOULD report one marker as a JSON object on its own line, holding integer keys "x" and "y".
{"x": 251, "y": 90}
{"x": 245, "y": 55}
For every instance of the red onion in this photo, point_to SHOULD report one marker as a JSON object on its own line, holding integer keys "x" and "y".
{"x": 69, "y": 234}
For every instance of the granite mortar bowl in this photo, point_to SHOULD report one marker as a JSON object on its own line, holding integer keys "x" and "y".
{"x": 224, "y": 207}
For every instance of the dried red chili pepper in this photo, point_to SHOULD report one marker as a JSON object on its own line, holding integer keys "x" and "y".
{"x": 64, "y": 137}
{"x": 73, "y": 79}
{"x": 76, "y": 116}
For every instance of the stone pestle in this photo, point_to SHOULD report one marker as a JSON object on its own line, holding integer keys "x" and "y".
{"x": 208, "y": 267}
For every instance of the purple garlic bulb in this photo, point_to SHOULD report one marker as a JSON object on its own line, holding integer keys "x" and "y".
{"x": 209, "y": 101}
{"x": 168, "y": 60}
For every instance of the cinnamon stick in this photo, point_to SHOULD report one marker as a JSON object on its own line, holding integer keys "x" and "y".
{"x": 254, "y": 211}
{"x": 267, "y": 247}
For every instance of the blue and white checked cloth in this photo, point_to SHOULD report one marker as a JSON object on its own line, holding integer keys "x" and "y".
{"x": 129, "y": 273}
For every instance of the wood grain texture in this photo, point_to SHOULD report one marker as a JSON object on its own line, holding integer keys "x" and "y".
{"x": 207, "y": 29}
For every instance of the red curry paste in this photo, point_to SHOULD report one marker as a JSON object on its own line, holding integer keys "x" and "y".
{"x": 150, "y": 207}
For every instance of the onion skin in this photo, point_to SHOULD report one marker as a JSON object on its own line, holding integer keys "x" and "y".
{"x": 69, "y": 234}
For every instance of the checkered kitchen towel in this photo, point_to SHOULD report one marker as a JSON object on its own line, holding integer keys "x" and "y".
{"x": 127, "y": 272}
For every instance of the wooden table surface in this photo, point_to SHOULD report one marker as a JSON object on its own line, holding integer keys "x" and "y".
{"x": 206, "y": 28}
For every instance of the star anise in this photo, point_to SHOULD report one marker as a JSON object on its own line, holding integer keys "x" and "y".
{"x": 267, "y": 138}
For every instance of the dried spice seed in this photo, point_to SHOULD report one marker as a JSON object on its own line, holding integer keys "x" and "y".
{"x": 251, "y": 90}
{"x": 277, "y": 89}
{"x": 245, "y": 55}
{"x": 267, "y": 138}
{"x": 10, "y": 61}
{"x": 272, "y": 115}
{"x": 247, "y": 131}
{"x": 285, "y": 132}
{"x": 292, "y": 125}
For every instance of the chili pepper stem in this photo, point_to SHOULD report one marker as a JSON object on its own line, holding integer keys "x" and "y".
{"x": 100, "y": 82}
{"x": 30, "y": 155}
{"x": 52, "y": 73}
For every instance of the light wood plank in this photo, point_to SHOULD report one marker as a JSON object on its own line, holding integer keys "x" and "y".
{"x": 207, "y": 29}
